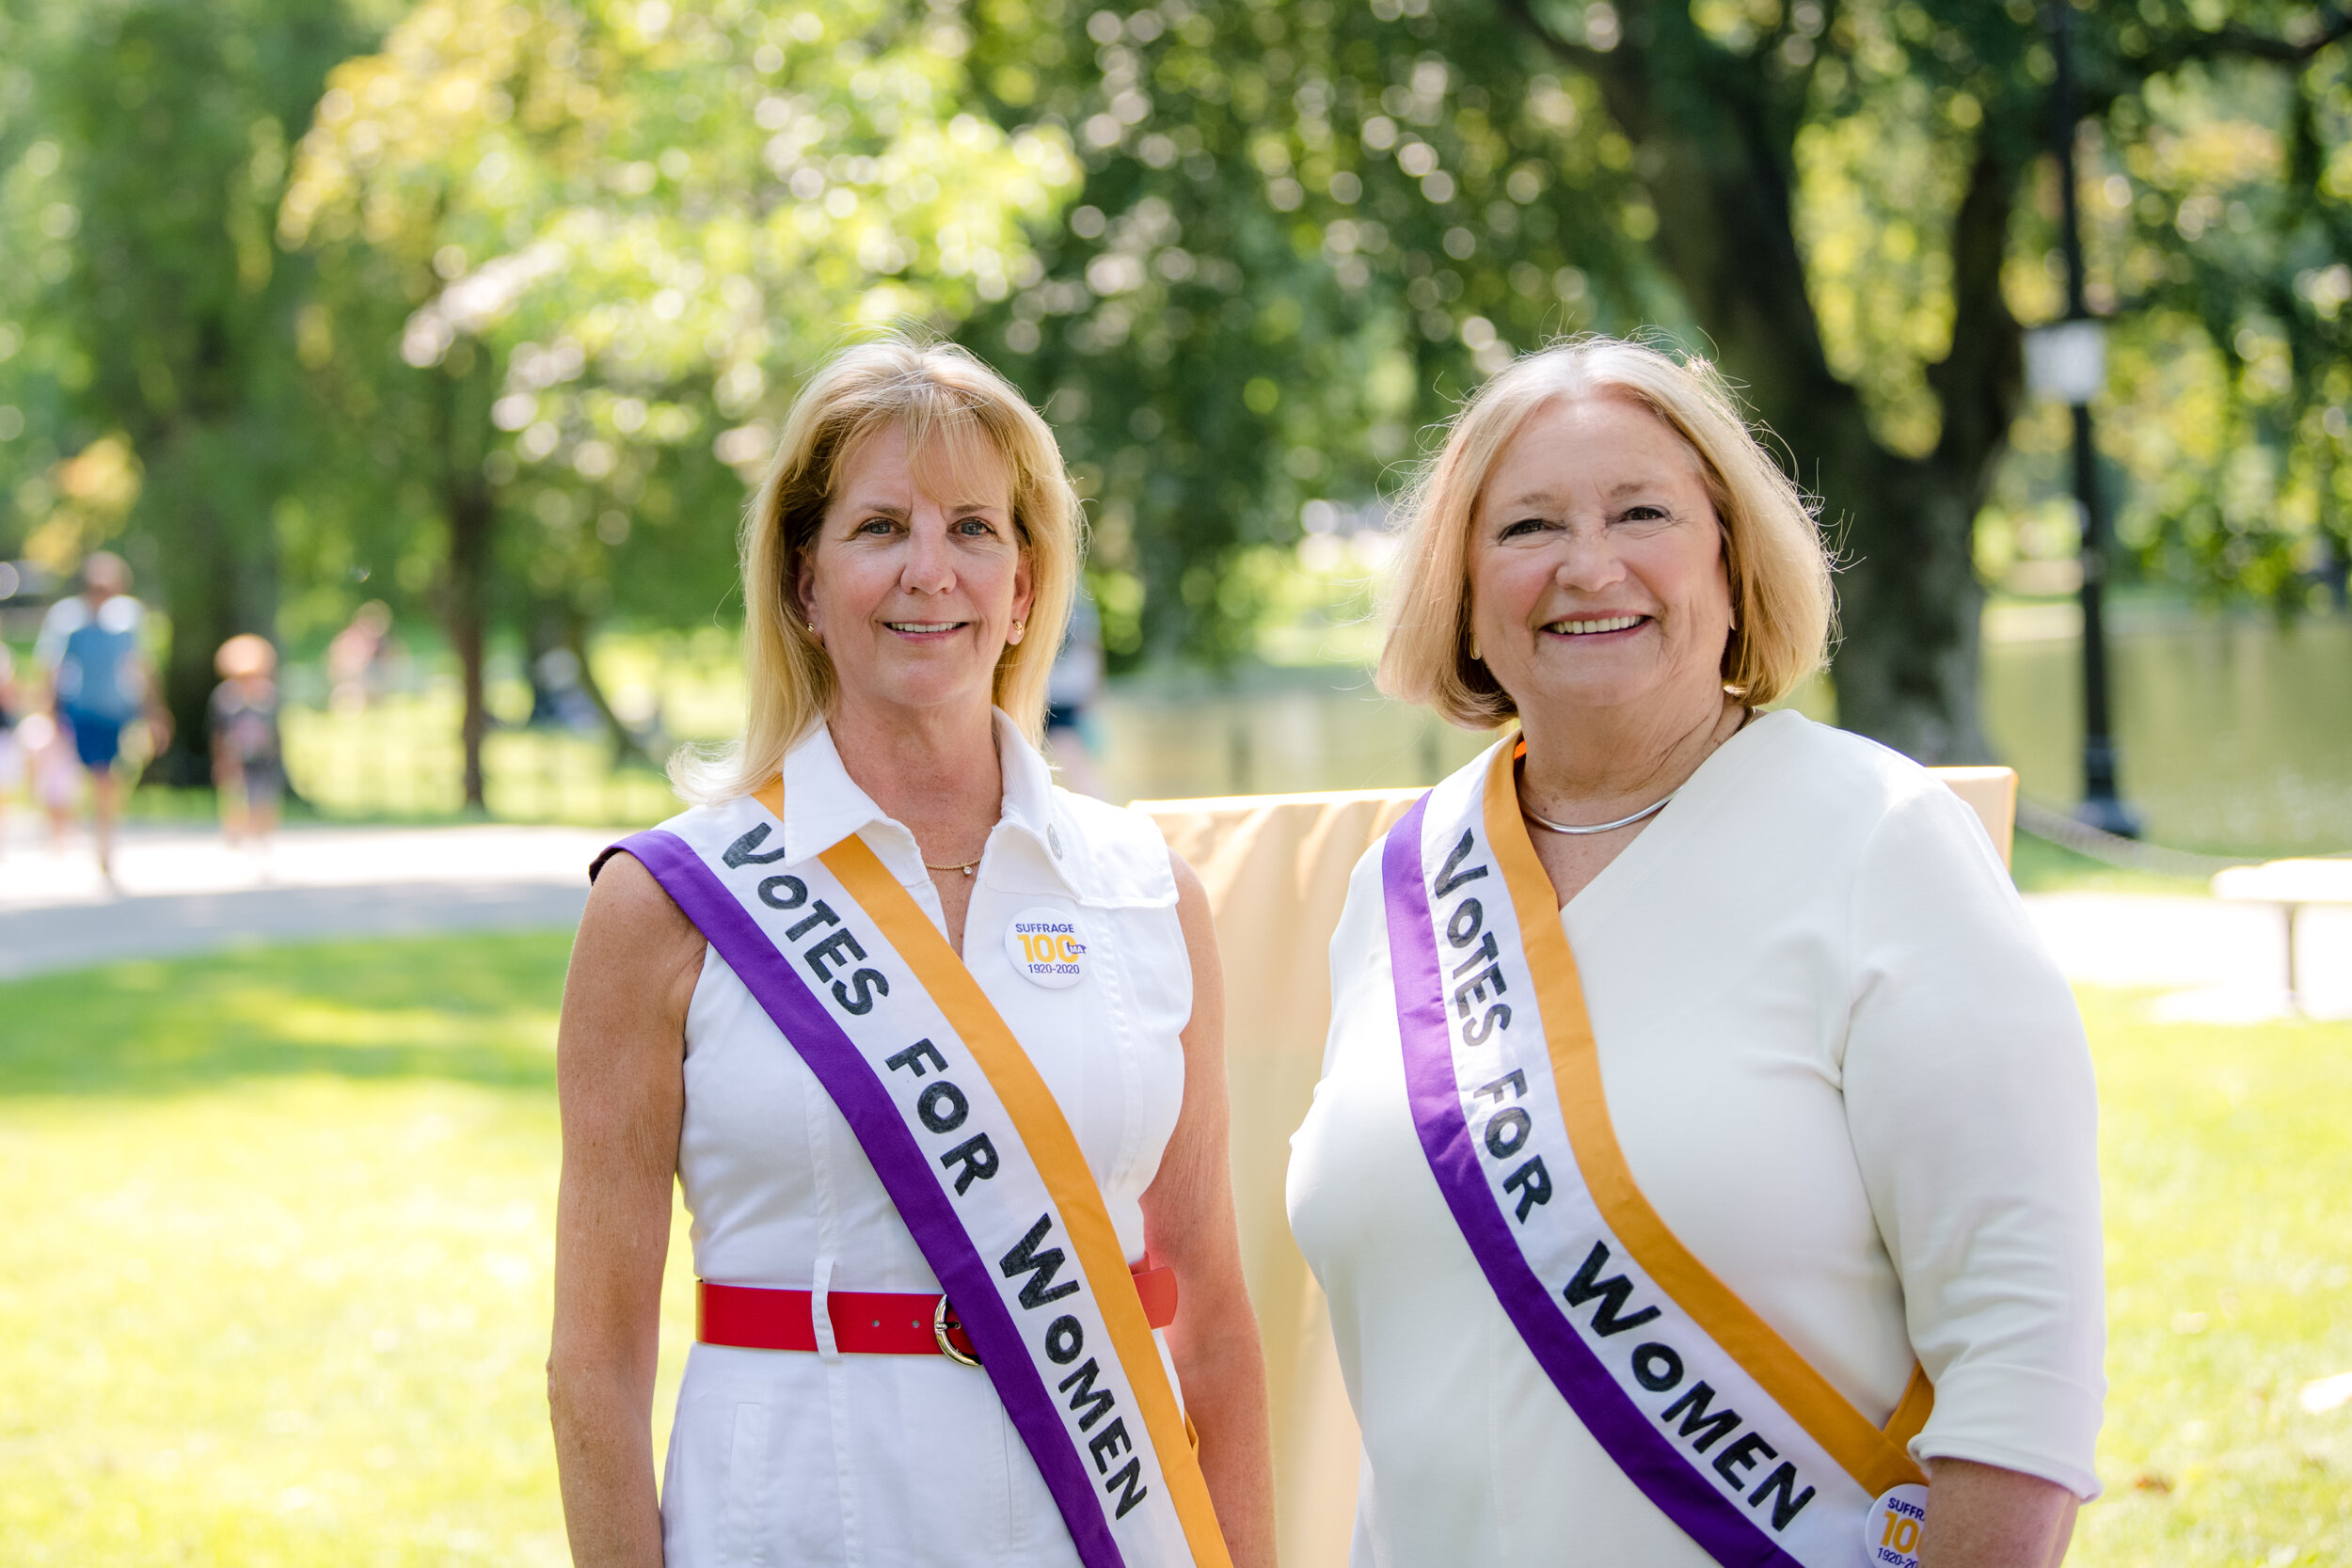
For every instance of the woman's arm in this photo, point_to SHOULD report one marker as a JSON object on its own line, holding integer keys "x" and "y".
{"x": 1970, "y": 1098}
{"x": 1983, "y": 1516}
{"x": 622, "y": 1093}
{"x": 1189, "y": 1226}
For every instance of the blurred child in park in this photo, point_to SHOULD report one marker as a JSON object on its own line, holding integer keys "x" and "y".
{"x": 249, "y": 766}
{"x": 100, "y": 682}
{"x": 11, "y": 748}
{"x": 354, "y": 658}
{"x": 56, "y": 773}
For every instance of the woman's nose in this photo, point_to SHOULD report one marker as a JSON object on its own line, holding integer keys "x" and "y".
{"x": 1587, "y": 562}
{"x": 929, "y": 569}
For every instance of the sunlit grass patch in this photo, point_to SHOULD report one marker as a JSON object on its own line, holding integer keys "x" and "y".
{"x": 476, "y": 1008}
{"x": 277, "y": 1277}
{"x": 276, "y": 1281}
{"x": 2227, "y": 1156}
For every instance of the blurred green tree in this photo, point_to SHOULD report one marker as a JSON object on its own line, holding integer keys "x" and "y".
{"x": 1306, "y": 229}
{"x": 1886, "y": 351}
{"x": 160, "y": 312}
{"x": 578, "y": 252}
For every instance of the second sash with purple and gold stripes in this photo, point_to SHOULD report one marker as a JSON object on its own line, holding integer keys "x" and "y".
{"x": 1708, "y": 1410}
{"x": 975, "y": 1155}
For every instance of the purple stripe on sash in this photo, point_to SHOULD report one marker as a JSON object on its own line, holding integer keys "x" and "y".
{"x": 902, "y": 1166}
{"x": 1645, "y": 1454}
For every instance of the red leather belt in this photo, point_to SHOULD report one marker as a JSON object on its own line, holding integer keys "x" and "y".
{"x": 867, "y": 1323}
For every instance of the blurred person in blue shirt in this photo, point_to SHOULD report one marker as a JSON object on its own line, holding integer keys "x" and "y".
{"x": 99, "y": 683}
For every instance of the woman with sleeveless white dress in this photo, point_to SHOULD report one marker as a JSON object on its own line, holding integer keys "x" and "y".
{"x": 1007, "y": 1075}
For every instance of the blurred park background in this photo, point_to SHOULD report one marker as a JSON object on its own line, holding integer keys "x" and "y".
{"x": 439, "y": 344}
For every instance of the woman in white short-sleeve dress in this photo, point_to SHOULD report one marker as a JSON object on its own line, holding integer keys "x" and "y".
{"x": 1703, "y": 1168}
{"x": 909, "y": 566}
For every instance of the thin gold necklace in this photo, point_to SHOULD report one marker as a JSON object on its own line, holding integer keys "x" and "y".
{"x": 965, "y": 867}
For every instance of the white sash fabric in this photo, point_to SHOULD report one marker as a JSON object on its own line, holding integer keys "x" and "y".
{"x": 1714, "y": 1416}
{"x": 975, "y": 1156}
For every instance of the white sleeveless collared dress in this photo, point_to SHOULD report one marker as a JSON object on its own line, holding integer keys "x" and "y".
{"x": 799, "y": 1458}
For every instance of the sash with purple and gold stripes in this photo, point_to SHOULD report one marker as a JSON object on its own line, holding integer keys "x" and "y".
{"x": 1709, "y": 1411}
{"x": 975, "y": 1155}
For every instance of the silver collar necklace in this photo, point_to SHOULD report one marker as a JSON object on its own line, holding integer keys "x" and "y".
{"x": 1651, "y": 810}
{"x": 1648, "y": 810}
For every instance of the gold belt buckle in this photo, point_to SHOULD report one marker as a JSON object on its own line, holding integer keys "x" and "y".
{"x": 942, "y": 1319}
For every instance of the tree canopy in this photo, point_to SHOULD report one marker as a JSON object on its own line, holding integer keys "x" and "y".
{"x": 490, "y": 306}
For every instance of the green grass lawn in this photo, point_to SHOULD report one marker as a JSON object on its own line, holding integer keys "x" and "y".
{"x": 276, "y": 1283}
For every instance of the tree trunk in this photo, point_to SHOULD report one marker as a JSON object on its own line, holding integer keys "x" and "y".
{"x": 471, "y": 513}
{"x": 215, "y": 571}
{"x": 1905, "y": 666}
{"x": 465, "y": 600}
{"x": 1716, "y": 136}
{"x": 198, "y": 579}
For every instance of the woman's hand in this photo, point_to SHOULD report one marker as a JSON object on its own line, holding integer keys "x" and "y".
{"x": 1983, "y": 1516}
{"x": 1189, "y": 1226}
{"x": 618, "y": 1059}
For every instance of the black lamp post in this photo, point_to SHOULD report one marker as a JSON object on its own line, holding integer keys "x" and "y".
{"x": 2071, "y": 363}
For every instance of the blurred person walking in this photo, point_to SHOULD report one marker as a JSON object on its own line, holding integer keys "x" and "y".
{"x": 100, "y": 682}
{"x": 55, "y": 772}
{"x": 248, "y": 763}
{"x": 953, "y": 1132}
{"x": 354, "y": 657}
{"x": 12, "y": 758}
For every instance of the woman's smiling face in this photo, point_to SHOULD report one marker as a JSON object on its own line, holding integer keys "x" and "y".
{"x": 917, "y": 574}
{"x": 1597, "y": 568}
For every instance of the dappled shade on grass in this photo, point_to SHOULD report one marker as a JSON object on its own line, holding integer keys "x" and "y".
{"x": 475, "y": 1008}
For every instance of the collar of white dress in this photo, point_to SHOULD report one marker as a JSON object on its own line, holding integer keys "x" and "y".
{"x": 822, "y": 805}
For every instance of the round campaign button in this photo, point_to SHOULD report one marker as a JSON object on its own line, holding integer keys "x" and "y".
{"x": 1891, "y": 1530}
{"x": 1044, "y": 944}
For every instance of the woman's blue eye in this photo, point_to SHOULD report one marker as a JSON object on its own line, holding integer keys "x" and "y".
{"x": 1522, "y": 526}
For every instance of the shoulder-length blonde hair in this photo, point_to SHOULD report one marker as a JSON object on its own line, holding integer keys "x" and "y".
{"x": 944, "y": 396}
{"x": 1772, "y": 551}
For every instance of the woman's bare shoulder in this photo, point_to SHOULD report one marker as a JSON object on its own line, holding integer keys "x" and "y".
{"x": 633, "y": 933}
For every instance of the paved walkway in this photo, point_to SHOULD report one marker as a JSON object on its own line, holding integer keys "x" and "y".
{"x": 182, "y": 891}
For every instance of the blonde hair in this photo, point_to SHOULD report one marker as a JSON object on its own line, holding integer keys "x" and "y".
{"x": 940, "y": 393}
{"x": 1772, "y": 551}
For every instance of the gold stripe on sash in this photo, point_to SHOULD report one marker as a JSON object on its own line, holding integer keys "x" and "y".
{"x": 1045, "y": 1133}
{"x": 1873, "y": 1457}
{"x": 1911, "y": 1410}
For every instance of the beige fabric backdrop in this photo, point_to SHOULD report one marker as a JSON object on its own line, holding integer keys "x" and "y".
{"x": 1276, "y": 868}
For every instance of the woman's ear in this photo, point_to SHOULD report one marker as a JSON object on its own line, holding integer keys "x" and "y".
{"x": 801, "y": 585}
{"x": 1023, "y": 584}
